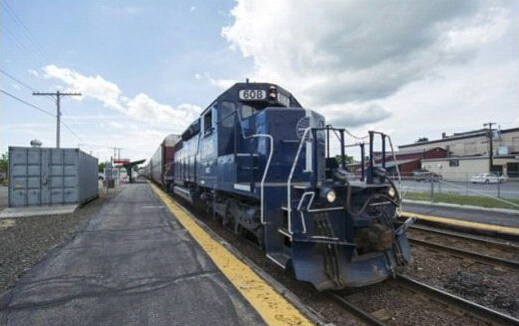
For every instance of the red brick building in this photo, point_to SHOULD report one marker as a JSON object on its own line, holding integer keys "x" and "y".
{"x": 407, "y": 161}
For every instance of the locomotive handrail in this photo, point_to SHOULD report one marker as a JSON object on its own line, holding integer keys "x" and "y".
{"x": 289, "y": 181}
{"x": 289, "y": 200}
{"x": 267, "y": 166}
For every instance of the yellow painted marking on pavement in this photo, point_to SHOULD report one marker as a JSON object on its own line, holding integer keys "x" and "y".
{"x": 271, "y": 305}
{"x": 468, "y": 224}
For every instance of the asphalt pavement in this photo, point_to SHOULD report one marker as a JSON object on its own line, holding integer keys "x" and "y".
{"x": 131, "y": 264}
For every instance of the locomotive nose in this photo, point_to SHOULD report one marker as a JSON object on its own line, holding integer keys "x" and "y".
{"x": 377, "y": 237}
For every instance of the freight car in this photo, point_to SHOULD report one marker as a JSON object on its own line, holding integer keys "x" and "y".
{"x": 261, "y": 162}
{"x": 159, "y": 167}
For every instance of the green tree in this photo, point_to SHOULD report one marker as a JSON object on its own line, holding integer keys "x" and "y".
{"x": 348, "y": 159}
{"x": 102, "y": 166}
{"x": 422, "y": 139}
{"x": 4, "y": 163}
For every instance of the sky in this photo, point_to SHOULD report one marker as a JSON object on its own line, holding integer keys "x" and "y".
{"x": 146, "y": 69}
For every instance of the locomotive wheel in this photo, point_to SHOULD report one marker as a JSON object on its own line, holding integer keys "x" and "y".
{"x": 228, "y": 219}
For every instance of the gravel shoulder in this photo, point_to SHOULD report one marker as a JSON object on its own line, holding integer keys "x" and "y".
{"x": 25, "y": 241}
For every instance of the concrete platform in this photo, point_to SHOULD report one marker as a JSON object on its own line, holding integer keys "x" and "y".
{"x": 132, "y": 264}
{"x": 484, "y": 219}
{"x": 14, "y": 212}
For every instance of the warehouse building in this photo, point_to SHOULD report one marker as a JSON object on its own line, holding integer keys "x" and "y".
{"x": 468, "y": 153}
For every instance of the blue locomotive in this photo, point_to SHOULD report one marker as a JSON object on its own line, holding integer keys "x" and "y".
{"x": 261, "y": 163}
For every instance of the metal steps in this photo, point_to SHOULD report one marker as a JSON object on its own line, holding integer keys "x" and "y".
{"x": 280, "y": 258}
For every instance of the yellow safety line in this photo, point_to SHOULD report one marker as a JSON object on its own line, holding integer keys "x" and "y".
{"x": 468, "y": 224}
{"x": 271, "y": 305}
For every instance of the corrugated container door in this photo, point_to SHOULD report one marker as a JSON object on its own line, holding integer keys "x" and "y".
{"x": 64, "y": 169}
{"x": 28, "y": 176}
{"x": 17, "y": 177}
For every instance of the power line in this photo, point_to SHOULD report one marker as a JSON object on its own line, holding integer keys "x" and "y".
{"x": 25, "y": 30}
{"x": 27, "y": 103}
{"x": 14, "y": 78}
{"x": 19, "y": 44}
{"x": 66, "y": 126}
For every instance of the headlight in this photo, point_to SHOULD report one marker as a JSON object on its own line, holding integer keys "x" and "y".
{"x": 391, "y": 192}
{"x": 330, "y": 196}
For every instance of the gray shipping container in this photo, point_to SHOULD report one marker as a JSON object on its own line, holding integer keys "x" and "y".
{"x": 51, "y": 176}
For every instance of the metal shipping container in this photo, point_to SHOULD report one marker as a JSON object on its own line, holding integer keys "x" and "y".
{"x": 51, "y": 176}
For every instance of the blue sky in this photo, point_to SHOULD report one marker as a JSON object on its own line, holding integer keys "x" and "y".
{"x": 146, "y": 68}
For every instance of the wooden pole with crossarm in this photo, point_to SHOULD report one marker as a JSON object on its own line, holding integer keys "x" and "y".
{"x": 58, "y": 95}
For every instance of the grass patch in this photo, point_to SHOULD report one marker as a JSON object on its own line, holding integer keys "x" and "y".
{"x": 462, "y": 199}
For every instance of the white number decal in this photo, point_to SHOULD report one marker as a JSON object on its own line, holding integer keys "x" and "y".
{"x": 252, "y": 94}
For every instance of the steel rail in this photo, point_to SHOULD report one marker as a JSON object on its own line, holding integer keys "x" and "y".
{"x": 487, "y": 258}
{"x": 502, "y": 245}
{"x": 356, "y": 311}
{"x": 481, "y": 312}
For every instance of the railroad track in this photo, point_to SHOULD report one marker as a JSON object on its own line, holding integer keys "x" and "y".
{"x": 514, "y": 264}
{"x": 485, "y": 314}
{"x": 476, "y": 310}
{"x": 500, "y": 244}
{"x": 356, "y": 311}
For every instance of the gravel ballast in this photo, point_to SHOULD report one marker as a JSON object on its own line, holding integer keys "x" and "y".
{"x": 24, "y": 241}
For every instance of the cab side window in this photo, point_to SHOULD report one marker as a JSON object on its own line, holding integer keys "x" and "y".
{"x": 227, "y": 113}
{"x": 208, "y": 120}
{"x": 226, "y": 125}
{"x": 247, "y": 111}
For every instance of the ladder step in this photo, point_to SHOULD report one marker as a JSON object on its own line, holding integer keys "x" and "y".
{"x": 280, "y": 258}
{"x": 284, "y": 231}
{"x": 380, "y": 203}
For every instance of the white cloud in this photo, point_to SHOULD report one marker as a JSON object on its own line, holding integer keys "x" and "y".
{"x": 332, "y": 54}
{"x": 355, "y": 115}
{"x": 484, "y": 28}
{"x": 193, "y": 8}
{"x": 455, "y": 101}
{"x": 221, "y": 83}
{"x": 95, "y": 87}
{"x": 141, "y": 107}
{"x": 144, "y": 108}
{"x": 34, "y": 73}
{"x": 115, "y": 125}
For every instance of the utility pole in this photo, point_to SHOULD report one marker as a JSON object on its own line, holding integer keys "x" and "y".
{"x": 58, "y": 95}
{"x": 116, "y": 150}
{"x": 490, "y": 135}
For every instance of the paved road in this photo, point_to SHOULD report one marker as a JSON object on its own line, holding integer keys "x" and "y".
{"x": 133, "y": 264}
{"x": 506, "y": 190}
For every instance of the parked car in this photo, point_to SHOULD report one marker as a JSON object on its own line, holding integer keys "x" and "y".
{"x": 425, "y": 175}
{"x": 101, "y": 176}
{"x": 503, "y": 178}
{"x": 485, "y": 178}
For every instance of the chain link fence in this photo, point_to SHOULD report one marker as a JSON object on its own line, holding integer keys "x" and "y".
{"x": 478, "y": 189}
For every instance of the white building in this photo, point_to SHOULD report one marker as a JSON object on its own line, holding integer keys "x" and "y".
{"x": 468, "y": 153}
